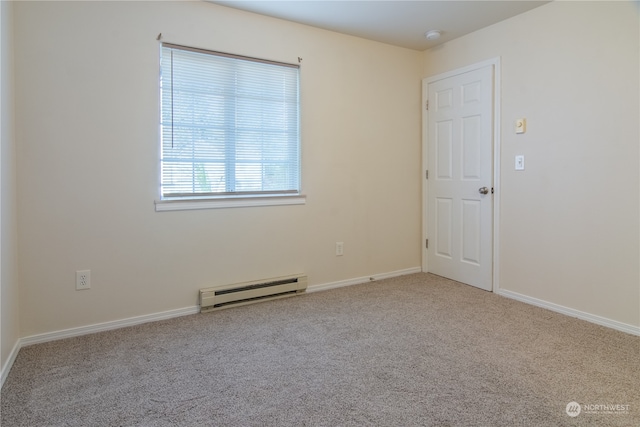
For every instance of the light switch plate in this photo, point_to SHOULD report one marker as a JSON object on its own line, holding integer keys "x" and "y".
{"x": 520, "y": 163}
{"x": 521, "y": 125}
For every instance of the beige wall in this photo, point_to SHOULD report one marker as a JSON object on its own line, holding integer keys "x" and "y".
{"x": 87, "y": 129}
{"x": 570, "y": 222}
{"x": 9, "y": 321}
{"x": 87, "y": 134}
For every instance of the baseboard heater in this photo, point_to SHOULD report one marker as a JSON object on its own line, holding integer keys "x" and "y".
{"x": 248, "y": 292}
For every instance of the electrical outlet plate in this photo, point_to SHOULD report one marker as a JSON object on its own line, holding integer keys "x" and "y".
{"x": 83, "y": 280}
{"x": 339, "y": 248}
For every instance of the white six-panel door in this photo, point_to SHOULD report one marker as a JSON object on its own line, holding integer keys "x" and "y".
{"x": 460, "y": 177}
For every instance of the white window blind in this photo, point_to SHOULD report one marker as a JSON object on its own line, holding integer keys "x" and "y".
{"x": 229, "y": 125}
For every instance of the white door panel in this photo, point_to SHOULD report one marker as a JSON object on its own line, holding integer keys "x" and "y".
{"x": 443, "y": 223}
{"x": 460, "y": 143}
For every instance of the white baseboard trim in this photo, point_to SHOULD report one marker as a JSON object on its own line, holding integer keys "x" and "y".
{"x": 131, "y": 321}
{"x": 364, "y": 279}
{"x": 107, "y": 326}
{"x": 598, "y": 320}
{"x": 90, "y": 329}
{"x": 9, "y": 363}
{"x": 137, "y": 320}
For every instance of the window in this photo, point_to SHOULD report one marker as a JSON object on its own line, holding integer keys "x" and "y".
{"x": 229, "y": 126}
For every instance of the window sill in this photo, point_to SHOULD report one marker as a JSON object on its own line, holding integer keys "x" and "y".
{"x": 227, "y": 202}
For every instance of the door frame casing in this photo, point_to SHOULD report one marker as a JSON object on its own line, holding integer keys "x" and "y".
{"x": 495, "y": 131}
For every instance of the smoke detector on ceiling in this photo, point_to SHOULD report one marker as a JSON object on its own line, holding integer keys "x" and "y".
{"x": 433, "y": 34}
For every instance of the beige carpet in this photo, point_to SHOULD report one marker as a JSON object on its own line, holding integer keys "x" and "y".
{"x": 416, "y": 350}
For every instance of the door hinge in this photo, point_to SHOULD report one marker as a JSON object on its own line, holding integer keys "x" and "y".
{"x": 427, "y": 243}
{"x": 426, "y": 175}
{"x": 426, "y": 105}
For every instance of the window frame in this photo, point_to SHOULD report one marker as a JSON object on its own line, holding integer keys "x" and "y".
{"x": 195, "y": 200}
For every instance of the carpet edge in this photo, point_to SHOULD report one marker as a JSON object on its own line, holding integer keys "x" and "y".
{"x": 572, "y": 312}
{"x": 107, "y": 326}
{"x": 363, "y": 279}
{"x": 4, "y": 372}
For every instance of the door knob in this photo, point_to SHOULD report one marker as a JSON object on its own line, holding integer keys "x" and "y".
{"x": 483, "y": 190}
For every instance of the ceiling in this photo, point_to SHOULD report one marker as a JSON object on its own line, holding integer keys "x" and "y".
{"x": 395, "y": 22}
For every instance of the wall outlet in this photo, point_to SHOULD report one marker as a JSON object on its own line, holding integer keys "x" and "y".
{"x": 339, "y": 248}
{"x": 83, "y": 280}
